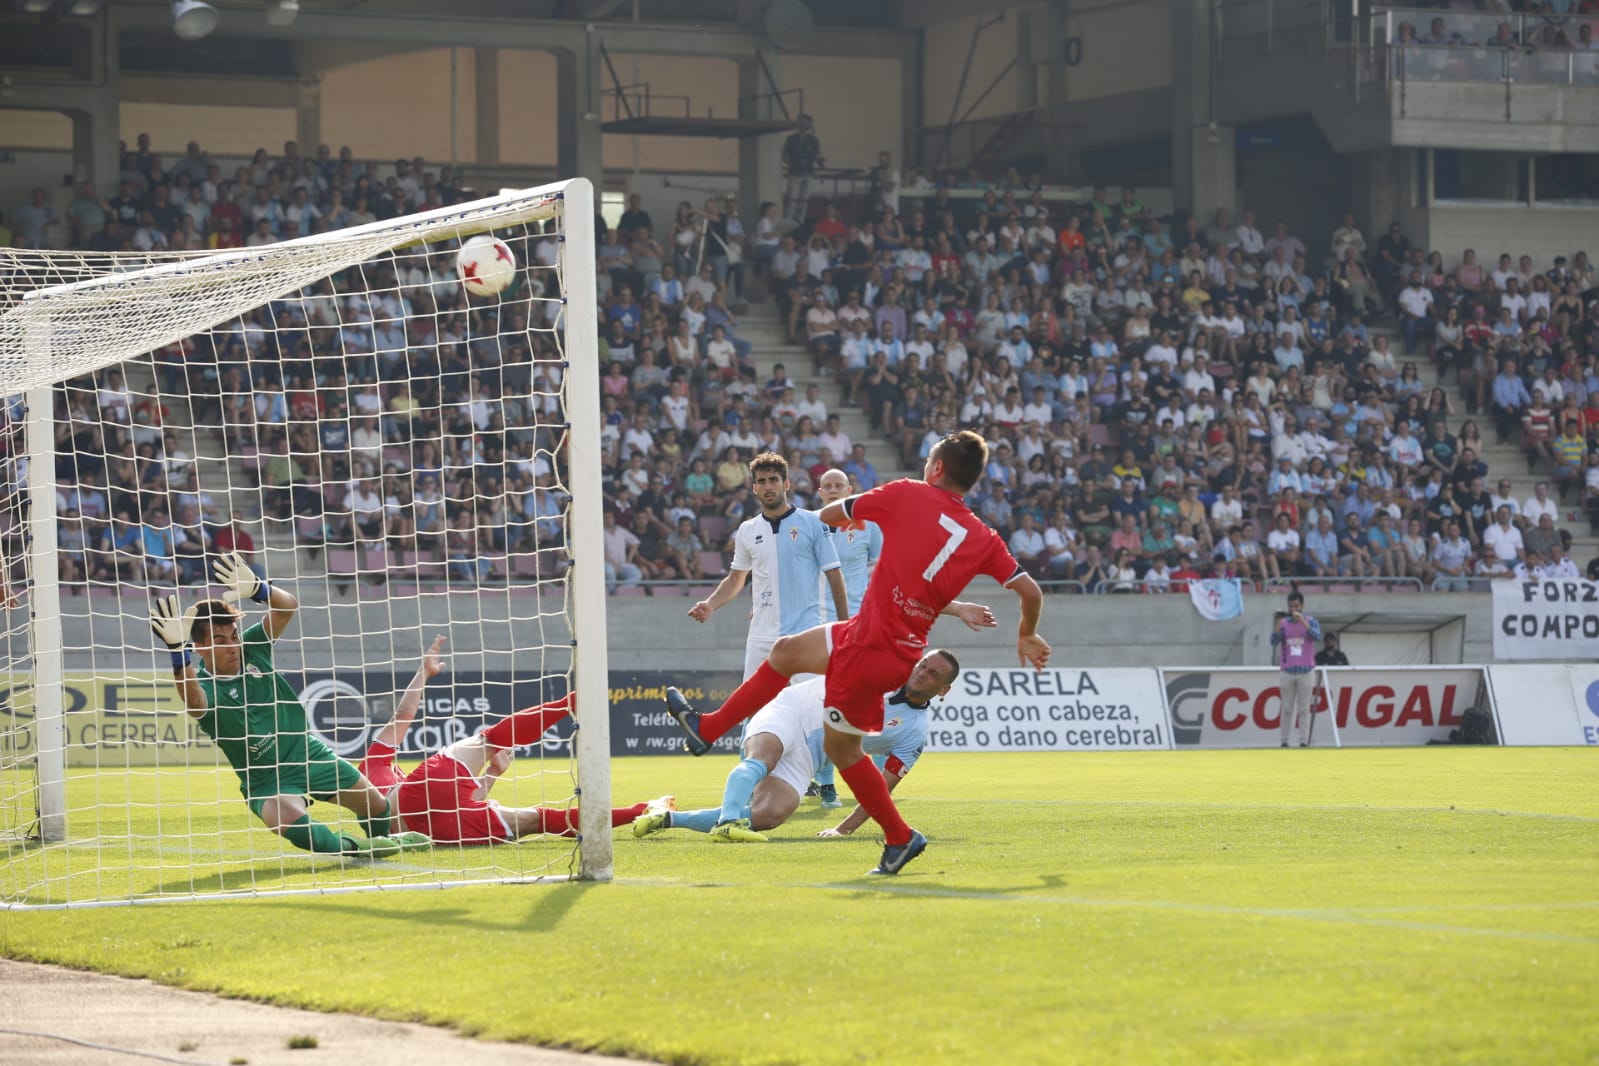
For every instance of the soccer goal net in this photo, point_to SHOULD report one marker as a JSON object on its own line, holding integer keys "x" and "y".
{"x": 414, "y": 471}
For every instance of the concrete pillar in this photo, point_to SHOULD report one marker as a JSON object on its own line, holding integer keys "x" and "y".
{"x": 1389, "y": 177}
{"x": 1204, "y": 159}
{"x": 97, "y": 129}
{"x": 308, "y": 115}
{"x": 910, "y": 105}
{"x": 486, "y": 63}
{"x": 760, "y": 159}
{"x": 578, "y": 138}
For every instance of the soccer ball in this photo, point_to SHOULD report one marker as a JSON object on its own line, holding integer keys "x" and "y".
{"x": 486, "y": 265}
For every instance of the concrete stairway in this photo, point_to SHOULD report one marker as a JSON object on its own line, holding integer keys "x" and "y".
{"x": 1508, "y": 460}
{"x": 759, "y": 324}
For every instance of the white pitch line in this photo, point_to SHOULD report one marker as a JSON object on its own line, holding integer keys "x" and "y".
{"x": 1218, "y": 806}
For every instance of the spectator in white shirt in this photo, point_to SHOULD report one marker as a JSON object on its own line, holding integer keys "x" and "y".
{"x": 1197, "y": 379}
{"x": 1539, "y": 504}
{"x": 1247, "y": 237}
{"x": 1559, "y": 564}
{"x": 1027, "y": 545}
{"x": 834, "y": 439}
{"x": 1405, "y": 449}
{"x": 1503, "y": 538}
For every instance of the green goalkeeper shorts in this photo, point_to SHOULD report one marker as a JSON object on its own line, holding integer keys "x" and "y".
{"x": 322, "y": 778}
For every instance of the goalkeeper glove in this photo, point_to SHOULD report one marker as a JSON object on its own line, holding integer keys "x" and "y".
{"x": 173, "y": 628}
{"x": 235, "y": 573}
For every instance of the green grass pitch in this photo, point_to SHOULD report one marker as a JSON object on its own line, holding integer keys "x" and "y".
{"x": 1422, "y": 905}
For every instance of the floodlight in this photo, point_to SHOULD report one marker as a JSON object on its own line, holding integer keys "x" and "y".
{"x": 193, "y": 19}
{"x": 282, "y": 12}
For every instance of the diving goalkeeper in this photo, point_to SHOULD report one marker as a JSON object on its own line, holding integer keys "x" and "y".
{"x": 446, "y": 797}
{"x": 258, "y": 723}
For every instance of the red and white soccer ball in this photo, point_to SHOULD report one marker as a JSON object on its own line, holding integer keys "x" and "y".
{"x": 486, "y": 265}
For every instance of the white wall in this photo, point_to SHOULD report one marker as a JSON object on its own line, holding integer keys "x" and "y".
{"x": 400, "y": 106}
{"x": 945, "y": 48}
{"x": 857, "y": 104}
{"x": 1125, "y": 48}
{"x": 1542, "y": 232}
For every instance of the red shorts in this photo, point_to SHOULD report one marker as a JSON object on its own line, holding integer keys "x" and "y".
{"x": 437, "y": 799}
{"x": 858, "y": 675}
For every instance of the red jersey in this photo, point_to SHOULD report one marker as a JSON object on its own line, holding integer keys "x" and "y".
{"x": 932, "y": 548}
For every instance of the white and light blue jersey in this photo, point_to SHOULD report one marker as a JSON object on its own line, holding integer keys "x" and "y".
{"x": 786, "y": 558}
{"x": 858, "y": 550}
{"x": 897, "y": 747}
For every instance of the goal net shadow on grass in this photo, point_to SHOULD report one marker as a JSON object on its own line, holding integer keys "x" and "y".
{"x": 402, "y": 457}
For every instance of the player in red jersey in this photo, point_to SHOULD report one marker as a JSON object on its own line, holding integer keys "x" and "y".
{"x": 449, "y": 791}
{"x": 932, "y": 547}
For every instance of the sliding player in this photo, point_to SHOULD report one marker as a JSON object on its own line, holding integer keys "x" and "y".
{"x": 858, "y": 550}
{"x": 258, "y": 722}
{"x": 783, "y": 745}
{"x": 933, "y": 546}
{"x": 447, "y": 796}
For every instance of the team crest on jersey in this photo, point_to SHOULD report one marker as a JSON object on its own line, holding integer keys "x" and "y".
{"x": 891, "y": 723}
{"x": 849, "y": 535}
{"x": 793, "y": 534}
{"x": 253, "y": 670}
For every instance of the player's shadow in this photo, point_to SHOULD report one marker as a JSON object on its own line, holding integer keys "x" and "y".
{"x": 907, "y": 884}
{"x": 550, "y": 906}
{"x": 235, "y": 880}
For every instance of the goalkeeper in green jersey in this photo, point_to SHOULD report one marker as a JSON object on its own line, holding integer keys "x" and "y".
{"x": 258, "y": 723}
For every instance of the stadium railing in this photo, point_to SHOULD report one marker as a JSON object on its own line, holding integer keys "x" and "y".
{"x": 1355, "y": 584}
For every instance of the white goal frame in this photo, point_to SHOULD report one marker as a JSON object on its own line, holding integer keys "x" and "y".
{"x": 53, "y": 334}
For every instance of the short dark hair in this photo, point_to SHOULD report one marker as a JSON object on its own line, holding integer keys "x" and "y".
{"x": 949, "y": 657}
{"x": 769, "y": 461}
{"x": 208, "y": 613}
{"x": 1296, "y": 597}
{"x": 964, "y": 454}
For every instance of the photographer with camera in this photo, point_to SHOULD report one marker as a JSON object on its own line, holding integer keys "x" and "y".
{"x": 1294, "y": 635}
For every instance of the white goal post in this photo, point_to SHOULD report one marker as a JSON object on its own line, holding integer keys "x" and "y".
{"x": 158, "y": 816}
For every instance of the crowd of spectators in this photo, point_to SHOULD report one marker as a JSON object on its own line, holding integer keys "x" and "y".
{"x": 1551, "y": 40}
{"x": 1175, "y": 396}
{"x": 1166, "y": 397}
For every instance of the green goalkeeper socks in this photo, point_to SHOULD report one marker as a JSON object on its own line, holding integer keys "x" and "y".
{"x": 310, "y": 835}
{"x": 376, "y": 825}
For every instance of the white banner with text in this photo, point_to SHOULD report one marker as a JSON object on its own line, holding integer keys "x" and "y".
{"x": 1557, "y": 618}
{"x": 1241, "y": 707}
{"x": 1051, "y": 710}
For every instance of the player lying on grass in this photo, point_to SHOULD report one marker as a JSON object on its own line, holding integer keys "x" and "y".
{"x": 933, "y": 546}
{"x": 258, "y": 723}
{"x": 783, "y": 745}
{"x": 447, "y": 796}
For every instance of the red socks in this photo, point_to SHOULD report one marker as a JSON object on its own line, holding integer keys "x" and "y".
{"x": 871, "y": 792}
{"x": 763, "y": 685}
{"x": 525, "y": 727}
{"x": 562, "y": 821}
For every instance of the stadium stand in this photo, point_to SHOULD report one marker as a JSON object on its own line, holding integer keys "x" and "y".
{"x": 1166, "y": 397}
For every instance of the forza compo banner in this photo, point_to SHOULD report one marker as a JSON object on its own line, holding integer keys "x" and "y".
{"x": 1556, "y": 618}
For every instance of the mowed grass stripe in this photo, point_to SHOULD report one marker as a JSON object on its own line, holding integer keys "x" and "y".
{"x": 1182, "y": 908}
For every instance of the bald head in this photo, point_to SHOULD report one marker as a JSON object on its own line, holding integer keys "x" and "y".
{"x": 833, "y": 485}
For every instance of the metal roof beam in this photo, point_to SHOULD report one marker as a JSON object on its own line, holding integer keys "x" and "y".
{"x": 443, "y": 31}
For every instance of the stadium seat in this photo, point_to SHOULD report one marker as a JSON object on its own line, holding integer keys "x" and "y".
{"x": 712, "y": 564}
{"x": 342, "y": 561}
{"x": 713, "y": 530}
